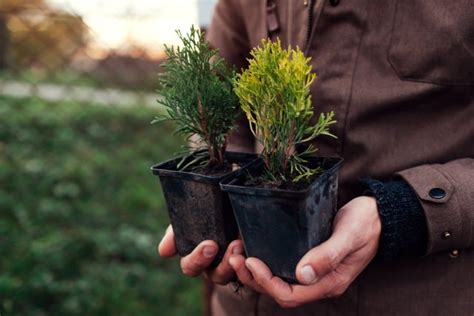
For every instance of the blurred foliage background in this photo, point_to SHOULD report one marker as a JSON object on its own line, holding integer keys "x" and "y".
{"x": 80, "y": 212}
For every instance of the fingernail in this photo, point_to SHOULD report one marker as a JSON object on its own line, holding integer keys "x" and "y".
{"x": 237, "y": 250}
{"x": 308, "y": 275}
{"x": 209, "y": 251}
{"x": 248, "y": 265}
{"x": 159, "y": 245}
{"x": 233, "y": 261}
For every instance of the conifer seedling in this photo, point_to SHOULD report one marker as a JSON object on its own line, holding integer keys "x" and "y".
{"x": 274, "y": 94}
{"x": 196, "y": 88}
{"x": 197, "y": 93}
{"x": 284, "y": 203}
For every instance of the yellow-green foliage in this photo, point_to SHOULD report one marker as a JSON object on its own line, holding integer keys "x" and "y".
{"x": 274, "y": 93}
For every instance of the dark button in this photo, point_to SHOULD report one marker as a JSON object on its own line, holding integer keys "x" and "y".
{"x": 437, "y": 193}
{"x": 446, "y": 235}
{"x": 334, "y": 2}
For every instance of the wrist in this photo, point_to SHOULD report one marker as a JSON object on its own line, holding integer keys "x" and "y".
{"x": 372, "y": 208}
{"x": 403, "y": 222}
{"x": 367, "y": 219}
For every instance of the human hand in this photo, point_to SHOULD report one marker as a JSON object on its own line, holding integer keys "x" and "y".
{"x": 326, "y": 270}
{"x": 199, "y": 260}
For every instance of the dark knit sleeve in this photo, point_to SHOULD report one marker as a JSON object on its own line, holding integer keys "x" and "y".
{"x": 404, "y": 231}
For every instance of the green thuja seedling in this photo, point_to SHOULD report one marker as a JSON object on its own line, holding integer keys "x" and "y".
{"x": 274, "y": 93}
{"x": 196, "y": 88}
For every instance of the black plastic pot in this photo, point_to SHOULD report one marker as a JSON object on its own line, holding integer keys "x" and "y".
{"x": 280, "y": 226}
{"x": 197, "y": 207}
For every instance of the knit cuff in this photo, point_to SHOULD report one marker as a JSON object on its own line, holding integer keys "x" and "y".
{"x": 404, "y": 231}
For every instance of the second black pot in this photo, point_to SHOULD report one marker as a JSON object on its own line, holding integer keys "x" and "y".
{"x": 197, "y": 207}
{"x": 280, "y": 226}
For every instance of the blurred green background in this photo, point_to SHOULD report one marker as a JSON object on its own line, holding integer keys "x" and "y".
{"x": 80, "y": 212}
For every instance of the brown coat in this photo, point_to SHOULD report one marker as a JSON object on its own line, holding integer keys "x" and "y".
{"x": 400, "y": 76}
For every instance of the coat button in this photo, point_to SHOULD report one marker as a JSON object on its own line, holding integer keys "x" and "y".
{"x": 454, "y": 253}
{"x": 446, "y": 235}
{"x": 437, "y": 193}
{"x": 334, "y": 2}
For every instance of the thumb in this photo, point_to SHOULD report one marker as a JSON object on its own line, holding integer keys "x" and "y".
{"x": 322, "y": 259}
{"x": 167, "y": 246}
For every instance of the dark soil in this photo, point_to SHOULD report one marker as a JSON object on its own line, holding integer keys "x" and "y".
{"x": 218, "y": 170}
{"x": 261, "y": 182}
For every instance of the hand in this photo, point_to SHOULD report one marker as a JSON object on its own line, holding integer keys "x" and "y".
{"x": 198, "y": 261}
{"x": 326, "y": 270}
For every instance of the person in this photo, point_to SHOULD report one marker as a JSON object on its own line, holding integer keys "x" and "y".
{"x": 400, "y": 77}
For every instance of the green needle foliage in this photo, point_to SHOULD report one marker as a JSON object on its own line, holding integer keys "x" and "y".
{"x": 197, "y": 90}
{"x": 274, "y": 93}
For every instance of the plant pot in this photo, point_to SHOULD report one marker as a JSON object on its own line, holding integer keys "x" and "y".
{"x": 280, "y": 226}
{"x": 197, "y": 207}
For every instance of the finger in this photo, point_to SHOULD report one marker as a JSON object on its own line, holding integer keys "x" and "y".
{"x": 237, "y": 263}
{"x": 167, "y": 246}
{"x": 287, "y": 295}
{"x": 197, "y": 261}
{"x": 265, "y": 279}
{"x": 323, "y": 259}
{"x": 332, "y": 284}
{"x": 224, "y": 272}
{"x": 335, "y": 282}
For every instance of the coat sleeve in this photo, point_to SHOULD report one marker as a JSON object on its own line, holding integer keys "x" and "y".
{"x": 228, "y": 34}
{"x": 446, "y": 193}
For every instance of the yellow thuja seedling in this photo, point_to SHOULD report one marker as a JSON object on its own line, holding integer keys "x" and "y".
{"x": 274, "y": 93}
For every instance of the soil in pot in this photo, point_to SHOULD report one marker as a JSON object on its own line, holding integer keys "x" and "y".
{"x": 197, "y": 207}
{"x": 279, "y": 226}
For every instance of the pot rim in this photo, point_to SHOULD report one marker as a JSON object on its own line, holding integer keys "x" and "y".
{"x": 162, "y": 169}
{"x": 228, "y": 184}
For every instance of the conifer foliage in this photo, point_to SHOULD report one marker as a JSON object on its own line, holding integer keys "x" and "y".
{"x": 274, "y": 93}
{"x": 196, "y": 88}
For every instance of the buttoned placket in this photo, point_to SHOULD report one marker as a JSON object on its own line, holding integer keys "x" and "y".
{"x": 334, "y": 44}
